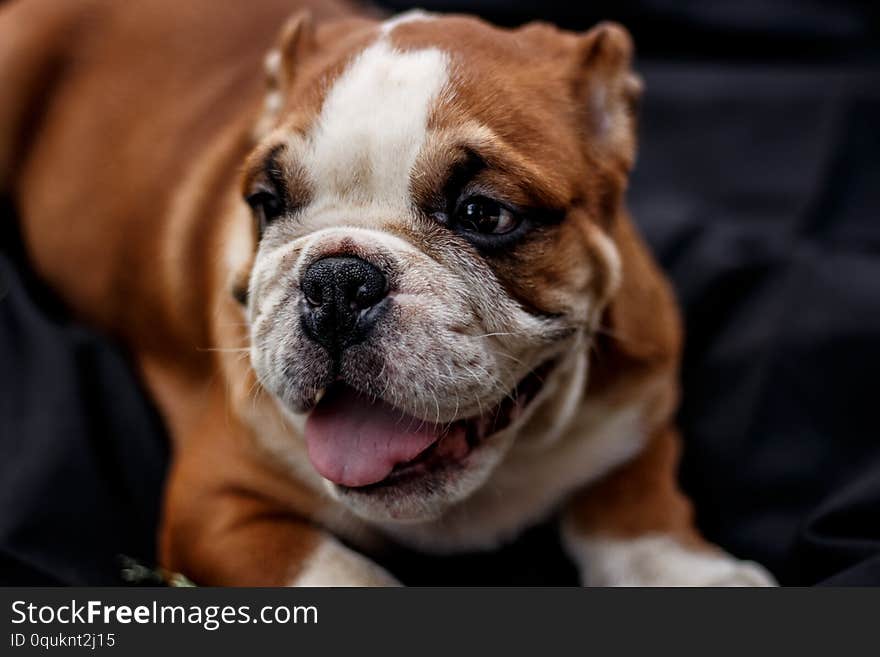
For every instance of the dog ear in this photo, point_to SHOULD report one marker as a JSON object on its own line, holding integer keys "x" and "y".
{"x": 295, "y": 40}
{"x": 610, "y": 90}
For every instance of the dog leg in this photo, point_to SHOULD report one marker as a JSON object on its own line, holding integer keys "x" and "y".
{"x": 226, "y": 537}
{"x": 333, "y": 564}
{"x": 635, "y": 528}
{"x": 232, "y": 519}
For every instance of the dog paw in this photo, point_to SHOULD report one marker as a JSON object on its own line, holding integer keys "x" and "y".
{"x": 333, "y": 564}
{"x": 741, "y": 573}
{"x": 663, "y": 561}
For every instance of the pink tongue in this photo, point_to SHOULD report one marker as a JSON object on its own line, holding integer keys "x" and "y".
{"x": 353, "y": 441}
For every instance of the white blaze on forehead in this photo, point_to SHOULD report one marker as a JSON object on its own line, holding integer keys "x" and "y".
{"x": 373, "y": 124}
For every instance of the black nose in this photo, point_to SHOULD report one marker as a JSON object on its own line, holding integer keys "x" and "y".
{"x": 341, "y": 301}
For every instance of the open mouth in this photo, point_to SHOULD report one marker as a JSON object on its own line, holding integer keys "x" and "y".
{"x": 358, "y": 442}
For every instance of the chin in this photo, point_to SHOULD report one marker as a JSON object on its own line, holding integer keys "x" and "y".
{"x": 419, "y": 497}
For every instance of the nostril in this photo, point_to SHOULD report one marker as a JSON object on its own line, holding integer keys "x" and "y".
{"x": 368, "y": 293}
{"x": 313, "y": 293}
{"x": 361, "y": 297}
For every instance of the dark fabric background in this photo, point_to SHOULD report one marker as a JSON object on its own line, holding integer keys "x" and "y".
{"x": 758, "y": 185}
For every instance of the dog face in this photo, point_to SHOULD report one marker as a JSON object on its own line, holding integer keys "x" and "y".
{"x": 432, "y": 198}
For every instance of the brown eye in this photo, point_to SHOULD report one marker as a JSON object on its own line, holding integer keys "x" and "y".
{"x": 266, "y": 207}
{"x": 483, "y": 215}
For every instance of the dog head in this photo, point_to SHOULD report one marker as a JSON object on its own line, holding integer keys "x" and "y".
{"x": 432, "y": 200}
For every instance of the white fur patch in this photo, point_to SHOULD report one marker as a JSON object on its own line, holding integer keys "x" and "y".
{"x": 373, "y": 124}
{"x": 659, "y": 560}
{"x": 611, "y": 256}
{"x": 333, "y": 564}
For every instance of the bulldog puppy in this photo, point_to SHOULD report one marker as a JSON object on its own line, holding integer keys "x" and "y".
{"x": 384, "y": 291}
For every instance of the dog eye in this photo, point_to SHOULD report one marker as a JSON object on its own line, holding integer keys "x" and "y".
{"x": 483, "y": 215}
{"x": 266, "y": 207}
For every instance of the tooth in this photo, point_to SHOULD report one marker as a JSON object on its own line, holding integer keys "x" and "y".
{"x": 320, "y": 394}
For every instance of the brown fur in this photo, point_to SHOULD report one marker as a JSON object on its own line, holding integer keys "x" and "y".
{"x": 119, "y": 144}
{"x": 640, "y": 498}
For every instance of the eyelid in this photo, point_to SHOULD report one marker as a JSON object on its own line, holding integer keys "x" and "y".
{"x": 265, "y": 181}
{"x": 258, "y": 193}
{"x": 489, "y": 195}
{"x": 273, "y": 180}
{"x": 459, "y": 176}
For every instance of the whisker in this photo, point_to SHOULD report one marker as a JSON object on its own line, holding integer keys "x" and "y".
{"x": 225, "y": 349}
{"x": 513, "y": 358}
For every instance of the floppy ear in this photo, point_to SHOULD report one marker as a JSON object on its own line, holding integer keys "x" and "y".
{"x": 609, "y": 90}
{"x": 295, "y": 40}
